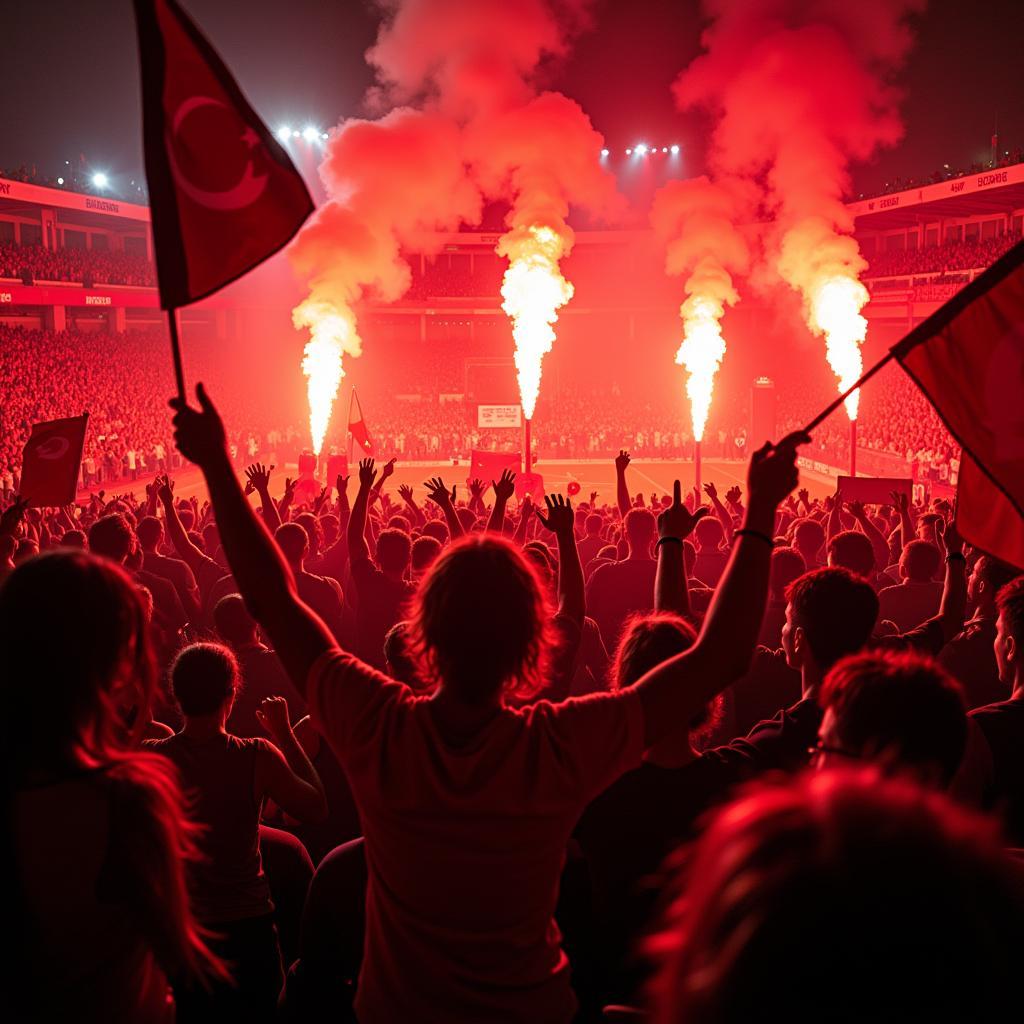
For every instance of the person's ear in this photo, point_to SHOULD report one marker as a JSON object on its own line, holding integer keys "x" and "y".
{"x": 800, "y": 648}
{"x": 1011, "y": 651}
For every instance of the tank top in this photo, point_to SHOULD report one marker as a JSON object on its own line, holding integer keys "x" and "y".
{"x": 218, "y": 777}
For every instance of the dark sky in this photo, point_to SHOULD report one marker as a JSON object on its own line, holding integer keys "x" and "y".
{"x": 73, "y": 86}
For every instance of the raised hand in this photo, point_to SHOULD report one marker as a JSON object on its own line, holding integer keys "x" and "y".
{"x": 804, "y": 496}
{"x": 405, "y": 493}
{"x": 367, "y": 473}
{"x": 272, "y": 714}
{"x": 621, "y": 461}
{"x": 560, "y": 518}
{"x": 437, "y": 492}
{"x": 259, "y": 476}
{"x": 677, "y": 520}
{"x": 320, "y": 499}
{"x": 901, "y": 501}
{"x": 504, "y": 486}
{"x": 199, "y": 433}
{"x": 950, "y": 537}
{"x": 476, "y": 489}
{"x": 711, "y": 490}
{"x": 773, "y": 471}
{"x": 856, "y": 509}
{"x": 165, "y": 489}
{"x": 388, "y": 469}
{"x": 733, "y": 495}
{"x": 593, "y": 499}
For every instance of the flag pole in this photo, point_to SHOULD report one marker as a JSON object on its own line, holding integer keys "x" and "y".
{"x": 832, "y": 406}
{"x": 179, "y": 372}
{"x": 348, "y": 427}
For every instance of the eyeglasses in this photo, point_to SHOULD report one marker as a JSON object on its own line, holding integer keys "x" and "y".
{"x": 821, "y": 749}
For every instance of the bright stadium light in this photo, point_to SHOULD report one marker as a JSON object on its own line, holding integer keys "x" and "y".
{"x": 629, "y": 152}
{"x": 675, "y": 150}
{"x": 640, "y": 149}
{"x": 310, "y": 134}
{"x": 664, "y": 149}
{"x": 60, "y": 181}
{"x": 100, "y": 180}
{"x": 284, "y": 133}
{"x": 604, "y": 152}
{"x": 323, "y": 135}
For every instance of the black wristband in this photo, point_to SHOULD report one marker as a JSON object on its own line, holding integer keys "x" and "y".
{"x": 668, "y": 540}
{"x": 956, "y": 556}
{"x": 757, "y": 535}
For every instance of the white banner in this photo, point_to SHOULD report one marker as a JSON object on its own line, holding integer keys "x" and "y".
{"x": 492, "y": 416}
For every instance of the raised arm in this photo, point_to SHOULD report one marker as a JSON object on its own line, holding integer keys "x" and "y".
{"x": 675, "y": 524}
{"x": 476, "y": 497}
{"x": 678, "y": 688}
{"x": 504, "y": 488}
{"x": 560, "y": 521}
{"x": 405, "y": 492}
{"x": 902, "y": 503}
{"x": 879, "y": 545}
{"x": 953, "y": 606}
{"x": 357, "y": 548}
{"x": 835, "y": 518}
{"x": 187, "y": 551}
{"x": 290, "y": 781}
{"x": 721, "y": 512}
{"x": 298, "y": 635}
{"x": 259, "y": 476}
{"x": 525, "y": 516}
{"x": 386, "y": 470}
{"x": 438, "y": 493}
{"x": 621, "y": 489}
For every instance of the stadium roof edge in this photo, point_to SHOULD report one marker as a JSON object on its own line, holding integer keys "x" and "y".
{"x": 23, "y": 194}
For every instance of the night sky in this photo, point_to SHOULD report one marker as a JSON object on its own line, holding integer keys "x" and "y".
{"x": 70, "y": 85}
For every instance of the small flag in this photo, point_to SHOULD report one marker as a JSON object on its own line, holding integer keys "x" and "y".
{"x": 357, "y": 428}
{"x": 51, "y": 461}
{"x": 224, "y": 196}
{"x": 968, "y": 359}
{"x": 488, "y": 466}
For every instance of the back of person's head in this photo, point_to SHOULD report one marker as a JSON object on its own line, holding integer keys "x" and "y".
{"x": 830, "y": 613}
{"x": 204, "y": 679}
{"x": 539, "y": 555}
{"x": 467, "y": 517}
{"x": 592, "y": 524}
{"x": 809, "y": 536}
{"x": 186, "y": 516}
{"x": 149, "y": 531}
{"x": 436, "y": 529}
{"x": 987, "y": 578}
{"x": 481, "y": 622}
{"x": 394, "y": 549}
{"x": 231, "y": 619}
{"x": 70, "y": 539}
{"x": 787, "y": 565}
{"x": 111, "y": 536}
{"x": 852, "y": 550}
{"x": 424, "y": 551}
{"x": 76, "y": 649}
{"x": 211, "y": 539}
{"x": 926, "y": 524}
{"x": 400, "y": 663}
{"x": 1009, "y": 643}
{"x": 709, "y": 534}
{"x": 900, "y": 710}
{"x": 845, "y": 896}
{"x": 311, "y": 524}
{"x": 920, "y": 561}
{"x": 640, "y": 527}
{"x": 398, "y": 522}
{"x": 293, "y": 541}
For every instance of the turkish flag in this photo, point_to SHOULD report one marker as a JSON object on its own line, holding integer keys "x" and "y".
{"x": 488, "y": 466}
{"x": 51, "y": 460}
{"x": 224, "y": 196}
{"x": 357, "y": 425}
{"x": 968, "y": 358}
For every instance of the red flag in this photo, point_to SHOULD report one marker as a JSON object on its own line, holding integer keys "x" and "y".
{"x": 968, "y": 358}
{"x": 224, "y": 196}
{"x": 51, "y": 461}
{"x": 488, "y": 466}
{"x": 357, "y": 428}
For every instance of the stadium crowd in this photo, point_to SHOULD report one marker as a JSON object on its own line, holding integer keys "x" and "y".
{"x": 34, "y": 263}
{"x": 76, "y": 178}
{"x": 969, "y": 254}
{"x": 406, "y": 756}
{"x": 947, "y": 173}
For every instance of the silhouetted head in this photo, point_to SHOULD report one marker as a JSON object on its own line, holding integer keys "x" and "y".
{"x": 592, "y": 525}
{"x": 399, "y": 661}
{"x": 987, "y": 578}
{"x": 852, "y": 550}
{"x": 73, "y": 539}
{"x": 809, "y": 538}
{"x": 232, "y": 620}
{"x": 830, "y": 613}
{"x": 641, "y": 527}
{"x": 424, "y": 551}
{"x": 76, "y": 647}
{"x": 112, "y": 537}
{"x": 787, "y": 565}
{"x": 900, "y": 710}
{"x": 311, "y": 524}
{"x": 394, "y": 549}
{"x": 920, "y": 561}
{"x": 834, "y": 895}
{"x": 1009, "y": 642}
{"x": 205, "y": 679}
{"x": 293, "y": 541}
{"x": 480, "y": 626}
{"x": 709, "y": 534}
{"x": 436, "y": 529}
{"x": 150, "y": 532}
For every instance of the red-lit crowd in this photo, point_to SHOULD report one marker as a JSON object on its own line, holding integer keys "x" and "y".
{"x": 951, "y": 256}
{"x": 446, "y": 755}
{"x": 37, "y": 264}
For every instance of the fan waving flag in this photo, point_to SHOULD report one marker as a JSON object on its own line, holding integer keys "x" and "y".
{"x": 224, "y": 196}
{"x": 968, "y": 358}
{"x": 357, "y": 428}
{"x": 51, "y": 461}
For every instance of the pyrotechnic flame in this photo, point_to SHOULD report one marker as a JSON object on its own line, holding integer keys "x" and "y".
{"x": 701, "y": 353}
{"x": 835, "y": 307}
{"x": 533, "y": 291}
{"x": 332, "y": 333}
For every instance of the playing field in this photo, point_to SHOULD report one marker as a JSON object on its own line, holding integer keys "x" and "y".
{"x": 643, "y": 477}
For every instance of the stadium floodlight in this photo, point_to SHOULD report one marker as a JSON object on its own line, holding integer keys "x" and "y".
{"x": 310, "y": 134}
{"x": 284, "y": 133}
{"x": 664, "y": 149}
{"x": 604, "y": 152}
{"x": 100, "y": 180}
{"x": 640, "y": 149}
{"x": 60, "y": 181}
{"x": 629, "y": 152}
{"x": 674, "y": 150}
{"x": 323, "y": 135}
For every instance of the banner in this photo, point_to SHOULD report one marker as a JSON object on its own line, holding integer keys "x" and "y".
{"x": 51, "y": 461}
{"x": 490, "y": 417}
{"x": 488, "y": 466}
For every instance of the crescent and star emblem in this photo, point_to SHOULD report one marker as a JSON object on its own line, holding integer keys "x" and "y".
{"x": 53, "y": 448}
{"x": 243, "y": 193}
